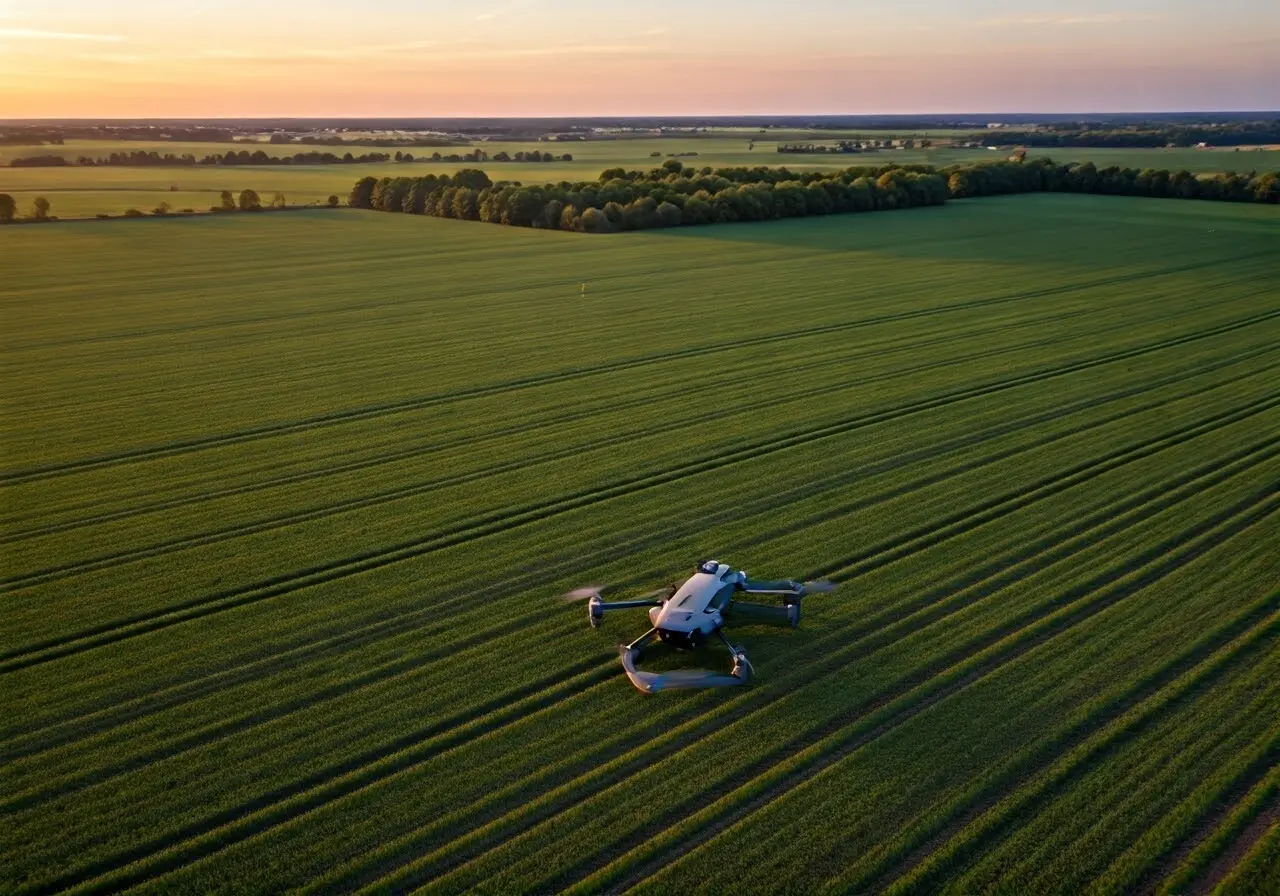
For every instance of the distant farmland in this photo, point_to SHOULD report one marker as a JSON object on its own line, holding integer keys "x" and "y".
{"x": 84, "y": 192}
{"x": 287, "y": 501}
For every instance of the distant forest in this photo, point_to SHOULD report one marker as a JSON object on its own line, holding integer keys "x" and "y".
{"x": 1098, "y": 130}
{"x": 1244, "y": 133}
{"x": 672, "y": 196}
{"x": 153, "y": 159}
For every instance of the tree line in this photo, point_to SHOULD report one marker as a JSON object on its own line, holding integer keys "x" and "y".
{"x": 669, "y": 196}
{"x": 1044, "y": 175}
{"x": 245, "y": 201}
{"x": 673, "y": 196}
{"x": 144, "y": 159}
{"x": 851, "y": 146}
{"x": 1237, "y": 133}
{"x": 40, "y": 207}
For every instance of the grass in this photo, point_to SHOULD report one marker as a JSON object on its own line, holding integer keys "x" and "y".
{"x": 287, "y": 500}
{"x": 84, "y": 192}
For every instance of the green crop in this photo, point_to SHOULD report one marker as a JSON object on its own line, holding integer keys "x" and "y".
{"x": 288, "y": 500}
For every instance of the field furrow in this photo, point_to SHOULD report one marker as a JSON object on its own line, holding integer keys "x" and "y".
{"x": 281, "y": 555}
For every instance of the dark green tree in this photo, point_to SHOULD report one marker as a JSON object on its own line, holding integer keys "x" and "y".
{"x": 8, "y": 208}
{"x": 250, "y": 201}
{"x": 40, "y": 208}
{"x": 361, "y": 193}
{"x": 593, "y": 220}
{"x": 1267, "y": 188}
{"x": 472, "y": 178}
{"x": 669, "y": 215}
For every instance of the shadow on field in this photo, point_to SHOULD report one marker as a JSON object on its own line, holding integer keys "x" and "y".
{"x": 1064, "y": 230}
{"x": 965, "y": 232}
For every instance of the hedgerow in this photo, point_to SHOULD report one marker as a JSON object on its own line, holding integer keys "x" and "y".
{"x": 674, "y": 196}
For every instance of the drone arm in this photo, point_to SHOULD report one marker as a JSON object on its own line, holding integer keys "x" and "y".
{"x": 596, "y": 607}
{"x": 749, "y": 613}
{"x": 626, "y": 604}
{"x": 759, "y": 586}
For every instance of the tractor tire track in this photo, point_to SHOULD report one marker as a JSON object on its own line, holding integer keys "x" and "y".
{"x": 898, "y": 461}
{"x": 901, "y": 860}
{"x": 99, "y": 720}
{"x": 1213, "y": 817}
{"x": 1082, "y": 603}
{"x": 134, "y": 867}
{"x": 1078, "y": 761}
{"x": 314, "y": 800}
{"x": 494, "y": 523}
{"x": 539, "y": 422}
{"x": 182, "y": 446}
{"x": 421, "y": 449}
{"x": 106, "y": 561}
{"x": 877, "y": 633}
{"x": 405, "y": 750}
{"x": 1225, "y": 865}
{"x": 382, "y": 673}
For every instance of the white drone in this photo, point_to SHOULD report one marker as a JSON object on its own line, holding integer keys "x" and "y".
{"x": 686, "y": 615}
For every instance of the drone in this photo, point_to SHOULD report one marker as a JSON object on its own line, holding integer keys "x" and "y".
{"x": 684, "y": 616}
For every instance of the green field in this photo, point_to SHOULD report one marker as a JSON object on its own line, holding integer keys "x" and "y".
{"x": 83, "y": 192}
{"x": 288, "y": 499}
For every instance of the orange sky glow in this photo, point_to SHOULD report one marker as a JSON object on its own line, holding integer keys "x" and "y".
{"x": 142, "y": 58}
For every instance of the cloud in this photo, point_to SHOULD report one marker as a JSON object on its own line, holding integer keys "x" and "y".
{"x": 420, "y": 51}
{"x": 303, "y": 54}
{"x": 38, "y": 34}
{"x": 114, "y": 58}
{"x": 1061, "y": 19}
{"x": 499, "y": 11}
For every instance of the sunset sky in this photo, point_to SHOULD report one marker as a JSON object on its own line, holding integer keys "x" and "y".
{"x": 211, "y": 58}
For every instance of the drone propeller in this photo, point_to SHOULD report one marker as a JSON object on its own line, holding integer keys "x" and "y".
{"x": 583, "y": 593}
{"x": 818, "y": 587}
{"x": 588, "y": 591}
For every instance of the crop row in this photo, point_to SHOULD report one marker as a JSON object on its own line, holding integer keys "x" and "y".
{"x": 321, "y": 653}
{"x": 462, "y": 530}
{"x": 858, "y": 474}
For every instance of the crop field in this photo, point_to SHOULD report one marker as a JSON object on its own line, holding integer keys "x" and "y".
{"x": 288, "y": 501}
{"x": 84, "y": 192}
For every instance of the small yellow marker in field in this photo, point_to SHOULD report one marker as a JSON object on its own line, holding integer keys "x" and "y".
{"x": 583, "y": 289}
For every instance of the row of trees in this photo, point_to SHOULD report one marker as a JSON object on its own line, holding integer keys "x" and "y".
{"x": 244, "y": 201}
{"x": 667, "y": 197}
{"x": 479, "y": 155}
{"x": 143, "y": 159}
{"x": 1236, "y": 133}
{"x": 850, "y": 146}
{"x": 384, "y": 140}
{"x": 531, "y": 156}
{"x": 1043, "y": 175}
{"x": 672, "y": 196}
{"x": 9, "y": 209}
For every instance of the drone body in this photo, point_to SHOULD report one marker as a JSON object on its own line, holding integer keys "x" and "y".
{"x": 697, "y": 610}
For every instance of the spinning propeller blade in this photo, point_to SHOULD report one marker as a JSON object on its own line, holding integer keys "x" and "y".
{"x": 589, "y": 591}
{"x": 819, "y": 586}
{"x": 583, "y": 593}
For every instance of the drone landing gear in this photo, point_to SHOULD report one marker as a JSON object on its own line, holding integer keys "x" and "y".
{"x": 681, "y": 679}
